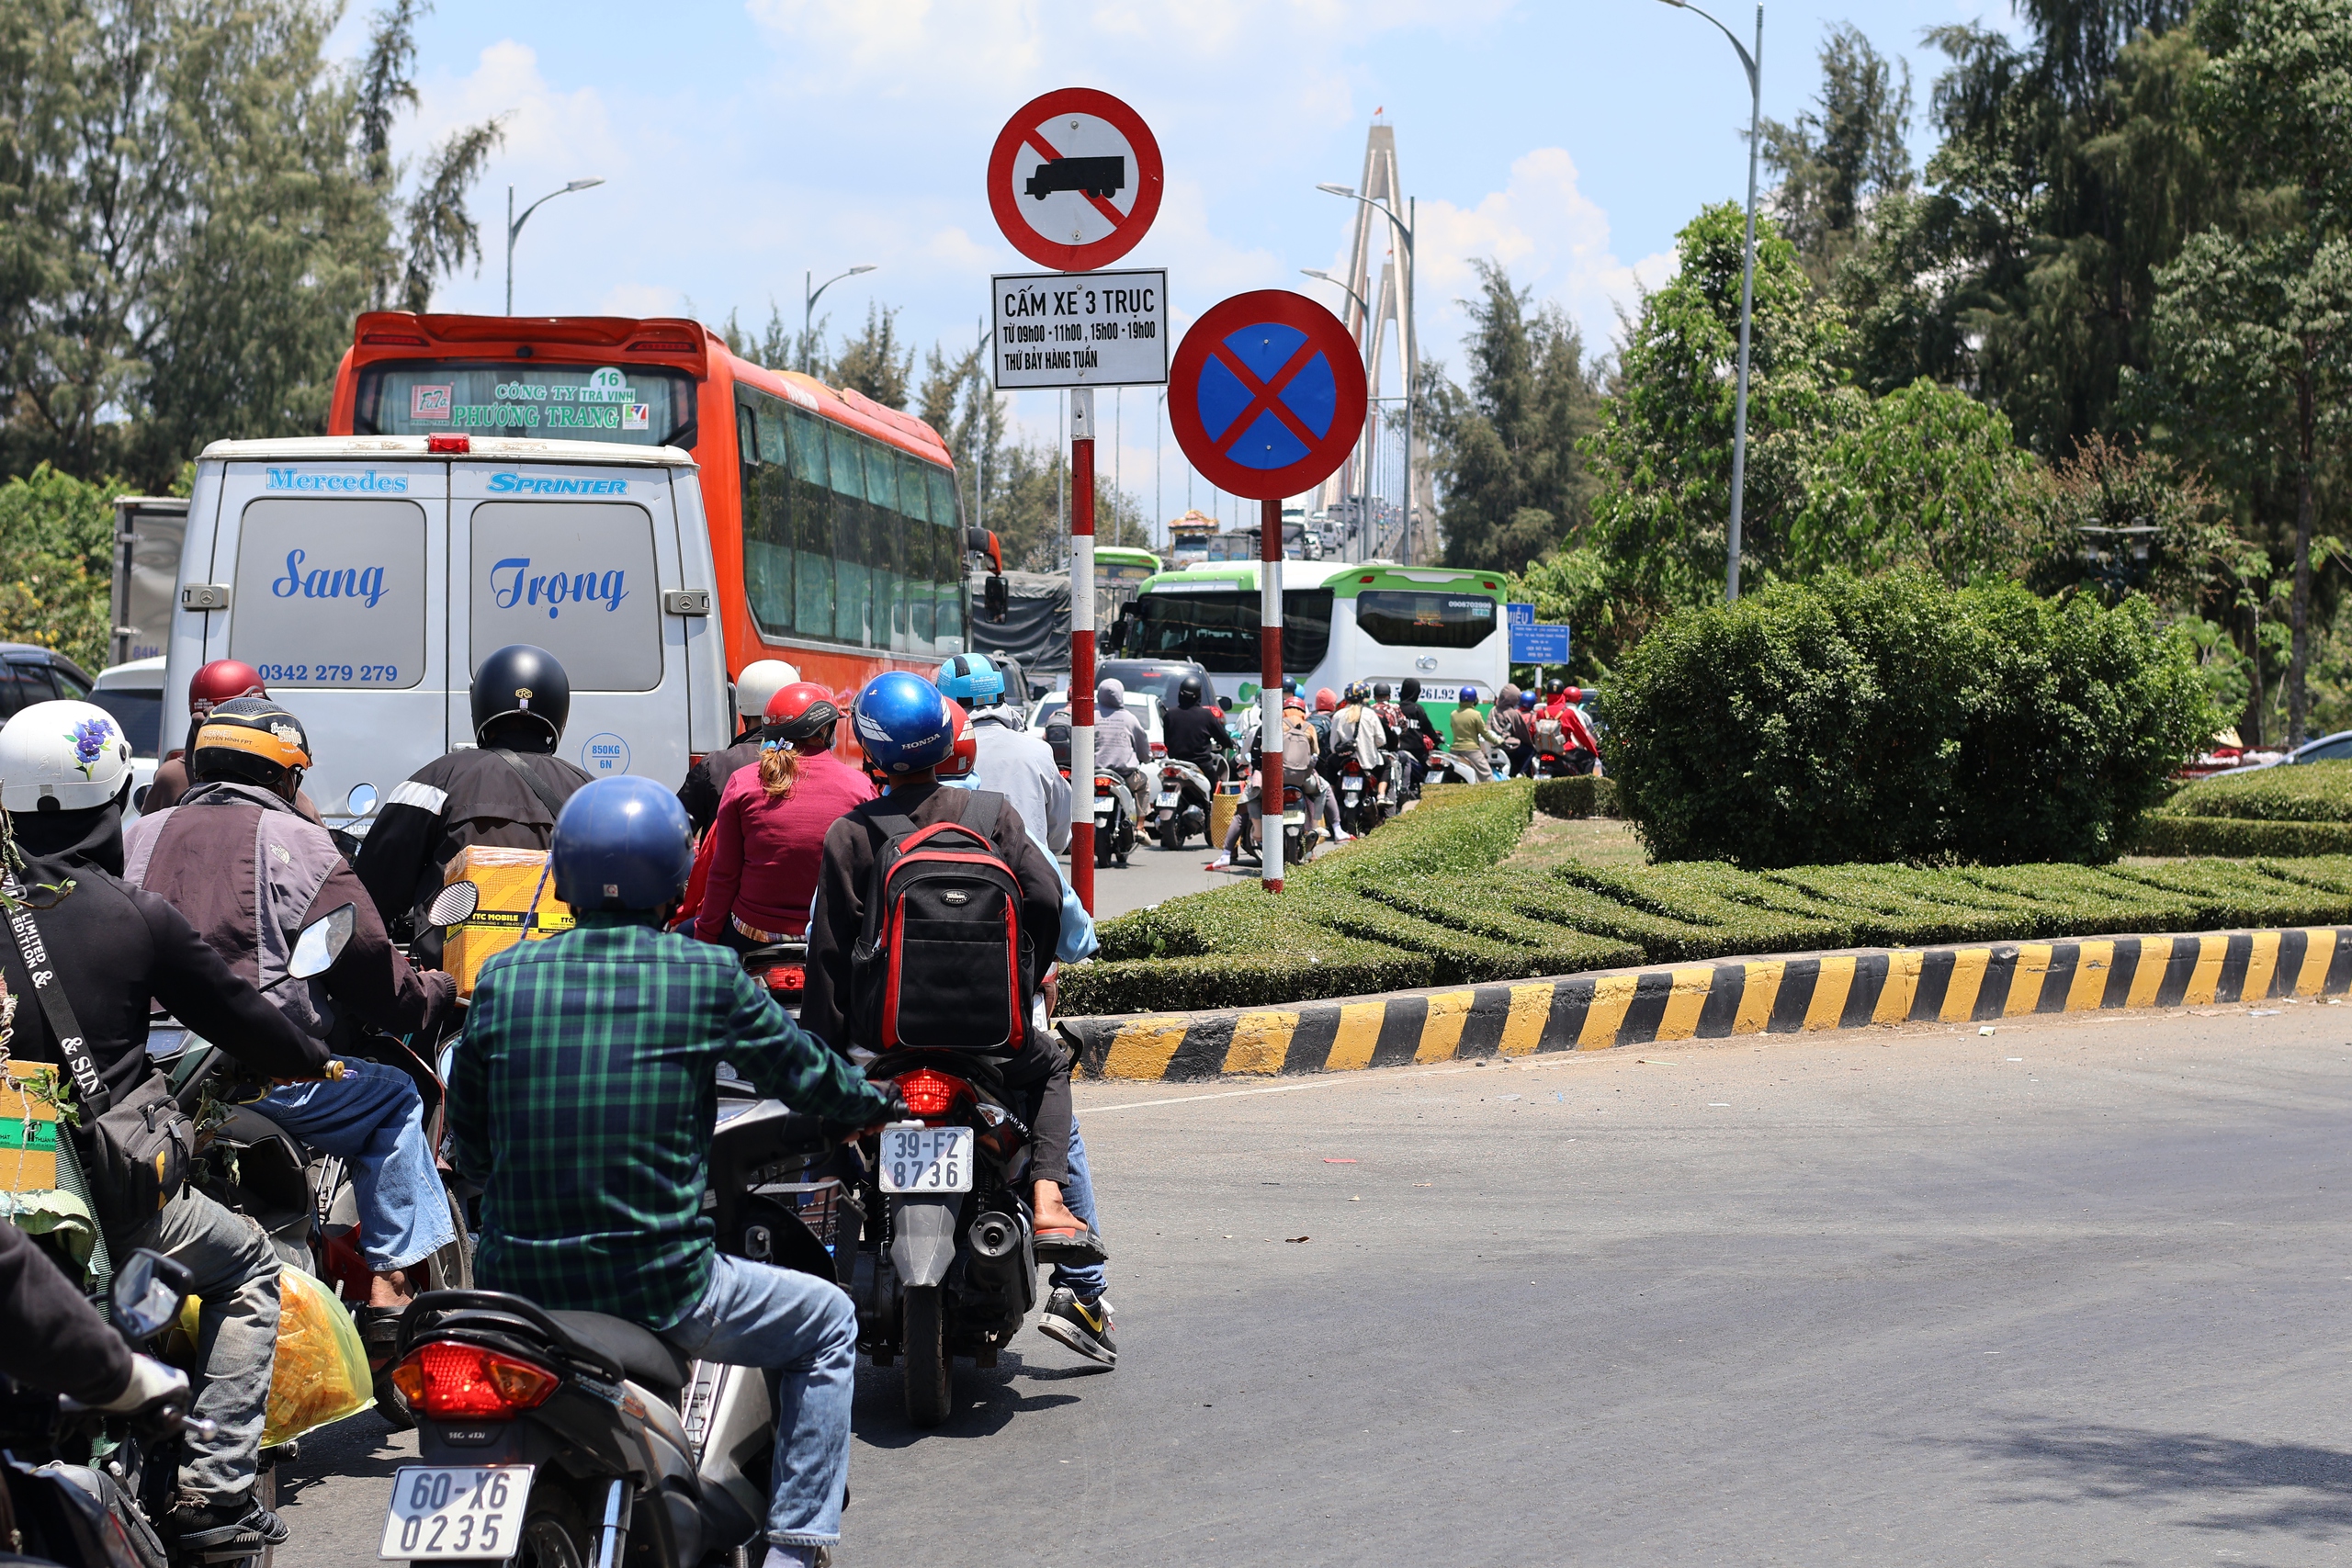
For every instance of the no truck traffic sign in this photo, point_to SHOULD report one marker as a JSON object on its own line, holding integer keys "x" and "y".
{"x": 1074, "y": 180}
{"x": 1079, "y": 329}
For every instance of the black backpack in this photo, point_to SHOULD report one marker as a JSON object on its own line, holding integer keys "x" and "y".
{"x": 941, "y": 961}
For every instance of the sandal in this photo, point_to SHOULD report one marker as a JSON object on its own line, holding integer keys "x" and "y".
{"x": 1070, "y": 1245}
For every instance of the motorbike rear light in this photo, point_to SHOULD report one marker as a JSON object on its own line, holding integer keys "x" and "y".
{"x": 1160, "y": 748}
{"x": 929, "y": 1094}
{"x": 463, "y": 1382}
{"x": 1292, "y": 794}
{"x": 454, "y": 445}
{"x": 788, "y": 977}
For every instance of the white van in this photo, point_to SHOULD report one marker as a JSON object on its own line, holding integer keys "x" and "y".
{"x": 366, "y": 577}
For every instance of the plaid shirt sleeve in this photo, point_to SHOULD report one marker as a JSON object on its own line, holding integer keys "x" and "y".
{"x": 781, "y": 1058}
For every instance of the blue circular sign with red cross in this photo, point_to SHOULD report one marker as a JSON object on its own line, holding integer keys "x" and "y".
{"x": 1266, "y": 394}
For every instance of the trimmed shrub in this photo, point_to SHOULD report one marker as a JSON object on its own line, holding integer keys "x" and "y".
{"x": 1894, "y": 719}
{"x": 2162, "y": 833}
{"x": 2306, "y": 791}
{"x": 1574, "y": 797}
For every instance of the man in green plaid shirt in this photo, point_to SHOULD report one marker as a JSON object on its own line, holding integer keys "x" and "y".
{"x": 583, "y": 1098}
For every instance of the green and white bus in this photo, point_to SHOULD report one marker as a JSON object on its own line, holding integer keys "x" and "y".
{"x": 1341, "y": 621}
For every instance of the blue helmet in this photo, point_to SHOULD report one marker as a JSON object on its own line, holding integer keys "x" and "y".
{"x": 973, "y": 680}
{"x": 903, "y": 724}
{"x": 621, "y": 844}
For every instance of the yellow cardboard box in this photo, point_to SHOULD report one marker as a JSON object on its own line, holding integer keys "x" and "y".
{"x": 518, "y": 902}
{"x": 29, "y": 1127}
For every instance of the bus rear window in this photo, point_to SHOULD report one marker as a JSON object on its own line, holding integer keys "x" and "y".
{"x": 575, "y": 577}
{"x": 634, "y": 404}
{"x": 330, "y": 593}
{"x": 1219, "y": 631}
{"x": 1424, "y": 620}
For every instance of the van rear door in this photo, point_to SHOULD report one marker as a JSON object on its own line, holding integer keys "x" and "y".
{"x": 575, "y": 559}
{"x": 333, "y": 569}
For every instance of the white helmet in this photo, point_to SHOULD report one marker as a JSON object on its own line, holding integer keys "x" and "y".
{"x": 72, "y": 753}
{"x": 761, "y": 679}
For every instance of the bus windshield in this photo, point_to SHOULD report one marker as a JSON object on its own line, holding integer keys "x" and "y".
{"x": 1218, "y": 631}
{"x": 637, "y": 404}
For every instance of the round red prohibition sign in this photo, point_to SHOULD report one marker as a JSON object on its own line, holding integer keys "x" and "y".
{"x": 1266, "y": 394}
{"x": 1074, "y": 179}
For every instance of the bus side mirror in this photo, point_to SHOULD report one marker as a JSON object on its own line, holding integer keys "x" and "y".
{"x": 995, "y": 598}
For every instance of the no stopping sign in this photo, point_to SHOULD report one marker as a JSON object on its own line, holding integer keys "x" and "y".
{"x": 1266, "y": 395}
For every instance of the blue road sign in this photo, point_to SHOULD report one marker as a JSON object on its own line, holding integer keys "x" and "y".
{"x": 1532, "y": 643}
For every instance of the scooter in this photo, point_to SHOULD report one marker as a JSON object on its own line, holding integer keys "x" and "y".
{"x": 1182, "y": 806}
{"x": 82, "y": 1488}
{"x": 1453, "y": 767}
{"x": 567, "y": 1439}
{"x": 1301, "y": 829}
{"x": 1114, "y": 820}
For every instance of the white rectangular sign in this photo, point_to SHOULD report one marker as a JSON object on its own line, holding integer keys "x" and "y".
{"x": 1079, "y": 329}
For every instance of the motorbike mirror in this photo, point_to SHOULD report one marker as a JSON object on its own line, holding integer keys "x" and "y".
{"x": 361, "y": 801}
{"x": 322, "y": 941}
{"x": 455, "y": 906}
{"x": 148, "y": 1291}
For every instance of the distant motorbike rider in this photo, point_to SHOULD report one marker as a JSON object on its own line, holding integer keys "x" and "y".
{"x": 1120, "y": 744}
{"x": 1297, "y": 745}
{"x": 1417, "y": 732}
{"x": 1358, "y": 734}
{"x": 1510, "y": 731}
{"x": 1470, "y": 736}
{"x": 906, "y": 728}
{"x": 761, "y": 855}
{"x": 221, "y": 681}
{"x": 65, "y": 779}
{"x": 249, "y": 874}
{"x": 1014, "y": 763}
{"x": 583, "y": 1100}
{"x": 1579, "y": 748}
{"x": 505, "y": 793}
{"x": 1197, "y": 732}
{"x": 761, "y": 680}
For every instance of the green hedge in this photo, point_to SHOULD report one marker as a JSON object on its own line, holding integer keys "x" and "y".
{"x": 1574, "y": 797}
{"x": 2161, "y": 834}
{"x": 2307, "y": 792}
{"x": 1892, "y": 718}
{"x": 1425, "y": 901}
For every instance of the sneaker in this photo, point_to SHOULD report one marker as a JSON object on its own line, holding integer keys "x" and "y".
{"x": 1084, "y": 1326}
{"x": 200, "y": 1524}
{"x": 1220, "y": 863}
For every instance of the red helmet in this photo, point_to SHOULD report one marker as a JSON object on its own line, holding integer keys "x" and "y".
{"x": 959, "y": 762}
{"x": 800, "y": 711}
{"x": 1326, "y": 701}
{"x": 221, "y": 681}
{"x": 1293, "y": 704}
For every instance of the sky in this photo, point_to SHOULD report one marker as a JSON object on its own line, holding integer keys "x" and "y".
{"x": 746, "y": 143}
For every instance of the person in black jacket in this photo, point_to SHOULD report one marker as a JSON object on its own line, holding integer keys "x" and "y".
{"x": 52, "y": 1339}
{"x": 707, "y": 780}
{"x": 1196, "y": 733}
{"x": 505, "y": 793}
{"x": 64, "y": 777}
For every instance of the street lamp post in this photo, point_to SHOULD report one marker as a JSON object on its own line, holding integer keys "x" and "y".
{"x": 809, "y": 308}
{"x": 1753, "y": 64}
{"x": 1411, "y": 346}
{"x": 514, "y": 226}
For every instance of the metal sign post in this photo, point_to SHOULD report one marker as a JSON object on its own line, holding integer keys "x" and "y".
{"x": 1081, "y": 643}
{"x": 1266, "y": 397}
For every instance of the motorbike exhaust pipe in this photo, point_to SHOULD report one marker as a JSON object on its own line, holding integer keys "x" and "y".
{"x": 1000, "y": 1254}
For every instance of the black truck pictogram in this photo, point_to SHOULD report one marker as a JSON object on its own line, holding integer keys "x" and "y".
{"x": 1098, "y": 177}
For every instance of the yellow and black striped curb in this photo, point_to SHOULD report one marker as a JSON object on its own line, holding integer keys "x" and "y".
{"x": 1714, "y": 1001}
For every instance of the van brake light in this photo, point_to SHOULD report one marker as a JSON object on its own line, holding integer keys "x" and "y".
{"x": 457, "y": 444}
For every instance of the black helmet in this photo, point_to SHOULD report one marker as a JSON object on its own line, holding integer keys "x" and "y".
{"x": 249, "y": 741}
{"x": 1380, "y": 692}
{"x": 1189, "y": 691}
{"x": 522, "y": 682}
{"x": 1412, "y": 691}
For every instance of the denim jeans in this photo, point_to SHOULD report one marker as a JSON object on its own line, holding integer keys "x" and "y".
{"x": 1091, "y": 1280}
{"x": 804, "y": 1328}
{"x": 374, "y": 1121}
{"x": 236, "y": 1273}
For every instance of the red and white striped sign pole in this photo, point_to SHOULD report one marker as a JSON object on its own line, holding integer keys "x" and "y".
{"x": 1081, "y": 644}
{"x": 1273, "y": 799}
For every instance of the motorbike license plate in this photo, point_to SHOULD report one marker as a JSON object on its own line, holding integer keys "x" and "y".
{"x": 1166, "y": 797}
{"x": 926, "y": 1159}
{"x": 457, "y": 1512}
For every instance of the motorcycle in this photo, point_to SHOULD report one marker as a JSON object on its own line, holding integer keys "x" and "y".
{"x": 1182, "y": 806}
{"x": 1114, "y": 820}
{"x": 1301, "y": 831}
{"x": 1453, "y": 767}
{"x": 549, "y": 1439}
{"x": 1366, "y": 800}
{"x": 80, "y": 1486}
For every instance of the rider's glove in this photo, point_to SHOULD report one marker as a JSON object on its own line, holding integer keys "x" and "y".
{"x": 151, "y": 1383}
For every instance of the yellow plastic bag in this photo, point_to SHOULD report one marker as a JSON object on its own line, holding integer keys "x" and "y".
{"x": 320, "y": 1375}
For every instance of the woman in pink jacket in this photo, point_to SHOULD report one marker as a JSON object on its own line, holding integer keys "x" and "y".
{"x": 769, "y": 837}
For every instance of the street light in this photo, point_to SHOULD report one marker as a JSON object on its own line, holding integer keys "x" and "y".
{"x": 1411, "y": 346}
{"x": 1752, "y": 64}
{"x": 808, "y": 309}
{"x": 514, "y": 227}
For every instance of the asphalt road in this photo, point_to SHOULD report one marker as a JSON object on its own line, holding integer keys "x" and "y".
{"x": 2070, "y": 1295}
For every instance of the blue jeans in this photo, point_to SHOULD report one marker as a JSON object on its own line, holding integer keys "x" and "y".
{"x": 1091, "y": 1280}
{"x": 374, "y": 1121}
{"x": 805, "y": 1328}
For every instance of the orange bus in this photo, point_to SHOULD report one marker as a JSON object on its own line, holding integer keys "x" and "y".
{"x": 834, "y": 521}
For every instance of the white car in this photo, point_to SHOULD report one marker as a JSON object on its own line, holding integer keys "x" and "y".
{"x": 133, "y": 693}
{"x": 1141, "y": 704}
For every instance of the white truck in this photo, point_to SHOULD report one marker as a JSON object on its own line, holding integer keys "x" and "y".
{"x": 366, "y": 577}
